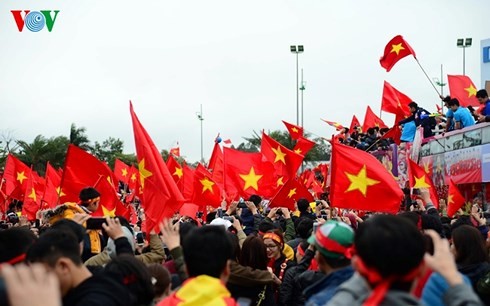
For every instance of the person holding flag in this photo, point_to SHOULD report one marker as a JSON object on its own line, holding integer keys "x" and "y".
{"x": 421, "y": 117}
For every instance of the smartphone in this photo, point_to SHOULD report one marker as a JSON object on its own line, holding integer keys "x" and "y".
{"x": 95, "y": 223}
{"x": 315, "y": 226}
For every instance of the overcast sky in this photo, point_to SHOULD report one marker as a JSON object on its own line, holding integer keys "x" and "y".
{"x": 232, "y": 57}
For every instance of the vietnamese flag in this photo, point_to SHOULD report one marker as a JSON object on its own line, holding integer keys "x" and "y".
{"x": 360, "y": 181}
{"x": 394, "y": 133}
{"x": 418, "y": 178}
{"x": 16, "y": 174}
{"x": 176, "y": 170}
{"x": 206, "y": 191}
{"x": 52, "y": 191}
{"x": 247, "y": 174}
{"x": 285, "y": 161}
{"x": 371, "y": 120}
{"x": 121, "y": 171}
{"x": 394, "y": 101}
{"x": 215, "y": 165}
{"x": 175, "y": 151}
{"x": 336, "y": 125}
{"x": 462, "y": 88}
{"x": 161, "y": 197}
{"x": 33, "y": 195}
{"x": 188, "y": 182}
{"x": 303, "y": 146}
{"x": 295, "y": 131}
{"x": 455, "y": 199}
{"x": 82, "y": 169}
{"x": 133, "y": 178}
{"x": 289, "y": 194}
{"x": 354, "y": 124}
{"x": 396, "y": 49}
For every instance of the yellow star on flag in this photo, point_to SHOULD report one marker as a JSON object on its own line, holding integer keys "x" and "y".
{"x": 124, "y": 172}
{"x": 32, "y": 195}
{"x": 178, "y": 172}
{"x": 291, "y": 193}
{"x": 294, "y": 130}
{"x": 280, "y": 181}
{"x": 59, "y": 191}
{"x": 360, "y": 181}
{"x": 397, "y": 48}
{"x": 144, "y": 173}
{"x": 420, "y": 182}
{"x": 279, "y": 155}
{"x": 107, "y": 212}
{"x": 110, "y": 180}
{"x": 471, "y": 91}
{"x": 298, "y": 151}
{"x": 251, "y": 179}
{"x": 206, "y": 185}
{"x": 133, "y": 177}
{"x": 450, "y": 199}
{"x": 21, "y": 176}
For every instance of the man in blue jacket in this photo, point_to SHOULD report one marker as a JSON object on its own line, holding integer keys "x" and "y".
{"x": 421, "y": 117}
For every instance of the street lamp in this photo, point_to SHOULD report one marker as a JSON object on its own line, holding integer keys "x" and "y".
{"x": 464, "y": 43}
{"x": 440, "y": 84}
{"x": 302, "y": 88}
{"x": 200, "y": 118}
{"x": 297, "y": 49}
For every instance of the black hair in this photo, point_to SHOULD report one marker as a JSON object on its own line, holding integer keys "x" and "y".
{"x": 432, "y": 222}
{"x": 210, "y": 217}
{"x": 255, "y": 199}
{"x": 393, "y": 246}
{"x": 206, "y": 251}
{"x": 469, "y": 245}
{"x": 184, "y": 229}
{"x": 54, "y": 244}
{"x": 88, "y": 193}
{"x": 135, "y": 276}
{"x": 482, "y": 93}
{"x": 413, "y": 104}
{"x": 303, "y": 205}
{"x": 446, "y": 99}
{"x": 124, "y": 222}
{"x": 304, "y": 227}
{"x": 453, "y": 102}
{"x": 14, "y": 242}
{"x": 254, "y": 253}
{"x": 70, "y": 225}
{"x": 161, "y": 276}
{"x": 266, "y": 226}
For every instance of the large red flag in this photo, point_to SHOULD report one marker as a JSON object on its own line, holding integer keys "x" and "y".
{"x": 394, "y": 101}
{"x": 16, "y": 174}
{"x": 360, "y": 181}
{"x": 334, "y": 124}
{"x": 462, "y": 88}
{"x": 396, "y": 49}
{"x": 247, "y": 174}
{"x": 303, "y": 146}
{"x": 418, "y": 178}
{"x": 33, "y": 195}
{"x": 394, "y": 133}
{"x": 121, "y": 171}
{"x": 354, "y": 124}
{"x": 134, "y": 177}
{"x": 455, "y": 199}
{"x": 82, "y": 170}
{"x": 285, "y": 161}
{"x": 206, "y": 191}
{"x": 161, "y": 197}
{"x": 294, "y": 131}
{"x": 176, "y": 170}
{"x": 188, "y": 182}
{"x": 53, "y": 190}
{"x": 371, "y": 120}
{"x": 289, "y": 194}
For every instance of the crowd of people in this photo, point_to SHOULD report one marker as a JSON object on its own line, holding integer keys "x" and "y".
{"x": 246, "y": 253}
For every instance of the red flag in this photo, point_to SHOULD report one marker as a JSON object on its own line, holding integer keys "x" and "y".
{"x": 206, "y": 191}
{"x": 303, "y": 146}
{"x": 336, "y": 125}
{"x": 462, "y": 88}
{"x": 175, "y": 151}
{"x": 53, "y": 190}
{"x": 394, "y": 133}
{"x": 188, "y": 183}
{"x": 33, "y": 195}
{"x": 418, "y": 178}
{"x": 294, "y": 131}
{"x": 16, "y": 174}
{"x": 247, "y": 174}
{"x": 439, "y": 109}
{"x": 360, "y": 181}
{"x": 134, "y": 176}
{"x": 394, "y": 101}
{"x": 121, "y": 171}
{"x": 371, "y": 120}
{"x": 285, "y": 161}
{"x": 161, "y": 197}
{"x": 289, "y": 194}
{"x": 175, "y": 170}
{"x": 396, "y": 49}
{"x": 215, "y": 165}
{"x": 82, "y": 170}
{"x": 455, "y": 199}
{"x": 354, "y": 123}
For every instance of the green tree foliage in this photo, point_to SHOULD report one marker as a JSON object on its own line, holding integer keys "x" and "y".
{"x": 79, "y": 137}
{"x": 108, "y": 150}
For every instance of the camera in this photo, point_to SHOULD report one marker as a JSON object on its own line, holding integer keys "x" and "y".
{"x": 228, "y": 218}
{"x": 241, "y": 203}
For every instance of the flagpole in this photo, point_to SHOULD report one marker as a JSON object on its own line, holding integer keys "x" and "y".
{"x": 427, "y": 76}
{"x": 45, "y": 184}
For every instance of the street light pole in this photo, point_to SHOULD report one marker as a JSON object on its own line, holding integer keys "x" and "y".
{"x": 464, "y": 43}
{"x": 441, "y": 84}
{"x": 297, "y": 49}
{"x": 200, "y": 118}
{"x": 302, "y": 88}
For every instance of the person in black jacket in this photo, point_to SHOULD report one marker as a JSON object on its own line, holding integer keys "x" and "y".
{"x": 421, "y": 117}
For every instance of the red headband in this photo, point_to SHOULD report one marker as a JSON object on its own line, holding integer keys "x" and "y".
{"x": 381, "y": 284}
{"x": 17, "y": 259}
{"x": 302, "y": 252}
{"x": 333, "y": 246}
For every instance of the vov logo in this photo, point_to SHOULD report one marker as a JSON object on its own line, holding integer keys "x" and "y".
{"x": 35, "y": 21}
